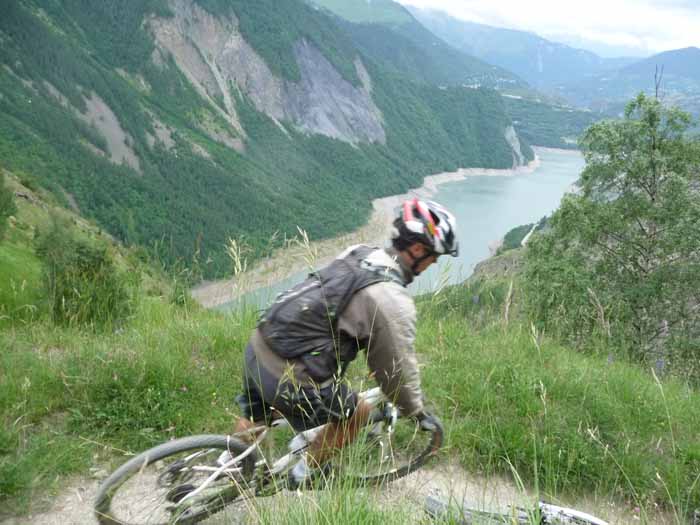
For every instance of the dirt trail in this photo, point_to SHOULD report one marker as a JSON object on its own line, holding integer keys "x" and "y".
{"x": 447, "y": 483}
{"x": 73, "y": 506}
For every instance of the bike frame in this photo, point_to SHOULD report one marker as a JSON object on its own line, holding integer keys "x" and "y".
{"x": 373, "y": 397}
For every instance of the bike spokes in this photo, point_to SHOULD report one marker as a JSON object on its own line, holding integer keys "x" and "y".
{"x": 176, "y": 489}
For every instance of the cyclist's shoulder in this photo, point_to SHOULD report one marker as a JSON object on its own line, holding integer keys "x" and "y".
{"x": 381, "y": 265}
{"x": 388, "y": 299}
{"x": 357, "y": 250}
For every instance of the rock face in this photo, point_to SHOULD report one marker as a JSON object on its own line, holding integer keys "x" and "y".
{"x": 215, "y": 58}
{"x": 325, "y": 103}
{"x": 512, "y": 138}
{"x": 100, "y": 115}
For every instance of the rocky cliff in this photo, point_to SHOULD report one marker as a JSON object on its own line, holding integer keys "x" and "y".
{"x": 215, "y": 57}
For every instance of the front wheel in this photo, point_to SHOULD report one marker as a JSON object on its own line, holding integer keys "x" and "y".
{"x": 161, "y": 486}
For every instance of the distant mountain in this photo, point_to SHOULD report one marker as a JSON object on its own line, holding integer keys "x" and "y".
{"x": 598, "y": 47}
{"x": 579, "y": 77}
{"x": 385, "y": 31}
{"x": 678, "y": 70}
{"x": 679, "y": 63}
{"x": 543, "y": 64}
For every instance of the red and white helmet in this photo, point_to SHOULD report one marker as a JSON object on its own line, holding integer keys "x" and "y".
{"x": 428, "y": 223}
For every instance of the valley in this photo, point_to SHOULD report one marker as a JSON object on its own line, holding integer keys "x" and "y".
{"x": 168, "y": 166}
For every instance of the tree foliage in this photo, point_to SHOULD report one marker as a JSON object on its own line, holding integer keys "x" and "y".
{"x": 623, "y": 255}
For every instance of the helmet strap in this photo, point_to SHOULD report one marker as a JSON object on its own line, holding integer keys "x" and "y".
{"x": 418, "y": 260}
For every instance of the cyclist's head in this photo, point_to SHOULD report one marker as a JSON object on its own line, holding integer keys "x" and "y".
{"x": 426, "y": 223}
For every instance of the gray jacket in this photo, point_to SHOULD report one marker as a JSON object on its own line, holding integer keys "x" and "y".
{"x": 383, "y": 314}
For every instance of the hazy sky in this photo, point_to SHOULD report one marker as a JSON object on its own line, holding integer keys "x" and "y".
{"x": 609, "y": 27}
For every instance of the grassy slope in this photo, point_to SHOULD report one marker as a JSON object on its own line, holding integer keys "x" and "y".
{"x": 566, "y": 422}
{"x": 20, "y": 269}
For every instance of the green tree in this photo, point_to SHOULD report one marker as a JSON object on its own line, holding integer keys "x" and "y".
{"x": 7, "y": 204}
{"x": 623, "y": 254}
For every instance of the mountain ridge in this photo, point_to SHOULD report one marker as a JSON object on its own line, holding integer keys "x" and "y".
{"x": 683, "y": 62}
{"x": 673, "y": 74}
{"x": 541, "y": 62}
{"x": 431, "y": 60}
{"x": 580, "y": 77}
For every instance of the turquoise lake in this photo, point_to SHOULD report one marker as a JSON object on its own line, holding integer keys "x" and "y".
{"x": 486, "y": 208}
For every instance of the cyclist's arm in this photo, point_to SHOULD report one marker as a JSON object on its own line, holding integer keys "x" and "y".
{"x": 386, "y": 316}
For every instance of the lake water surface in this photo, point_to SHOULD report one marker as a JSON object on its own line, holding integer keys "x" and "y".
{"x": 486, "y": 208}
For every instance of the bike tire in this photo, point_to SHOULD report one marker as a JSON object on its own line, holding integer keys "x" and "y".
{"x": 135, "y": 470}
{"x": 407, "y": 459}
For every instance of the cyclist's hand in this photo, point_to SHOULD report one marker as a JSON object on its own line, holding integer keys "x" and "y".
{"x": 427, "y": 421}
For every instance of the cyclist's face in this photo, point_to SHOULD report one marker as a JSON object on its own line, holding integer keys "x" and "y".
{"x": 425, "y": 263}
{"x": 417, "y": 252}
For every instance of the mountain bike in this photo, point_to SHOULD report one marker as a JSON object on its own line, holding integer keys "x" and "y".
{"x": 542, "y": 514}
{"x": 187, "y": 480}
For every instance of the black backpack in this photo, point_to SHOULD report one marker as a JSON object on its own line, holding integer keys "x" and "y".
{"x": 302, "y": 323}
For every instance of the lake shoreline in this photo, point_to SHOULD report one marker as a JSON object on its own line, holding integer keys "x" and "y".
{"x": 298, "y": 256}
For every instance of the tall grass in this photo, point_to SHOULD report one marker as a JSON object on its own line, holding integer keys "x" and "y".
{"x": 83, "y": 282}
{"x": 68, "y": 394}
{"x": 20, "y": 290}
{"x": 568, "y": 424}
{"x": 336, "y": 504}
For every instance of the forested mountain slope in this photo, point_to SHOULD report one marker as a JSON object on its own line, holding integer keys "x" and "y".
{"x": 175, "y": 124}
{"x": 387, "y": 32}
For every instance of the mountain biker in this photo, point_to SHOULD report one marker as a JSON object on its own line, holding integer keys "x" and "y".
{"x": 297, "y": 355}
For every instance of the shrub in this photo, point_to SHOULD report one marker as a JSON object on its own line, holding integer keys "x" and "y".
{"x": 622, "y": 257}
{"x": 7, "y": 205}
{"x": 83, "y": 284}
